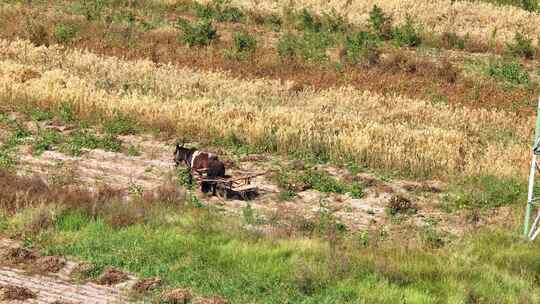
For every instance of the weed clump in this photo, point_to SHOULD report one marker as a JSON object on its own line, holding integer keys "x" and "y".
{"x": 361, "y": 47}
{"x": 64, "y": 33}
{"x": 511, "y": 73}
{"x": 521, "y": 47}
{"x": 245, "y": 45}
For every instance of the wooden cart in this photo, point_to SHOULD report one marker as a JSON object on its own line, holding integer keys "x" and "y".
{"x": 229, "y": 186}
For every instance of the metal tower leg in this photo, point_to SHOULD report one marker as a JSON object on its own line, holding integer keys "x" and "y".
{"x": 531, "y": 231}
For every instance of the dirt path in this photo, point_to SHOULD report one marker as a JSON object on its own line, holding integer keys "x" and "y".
{"x": 55, "y": 287}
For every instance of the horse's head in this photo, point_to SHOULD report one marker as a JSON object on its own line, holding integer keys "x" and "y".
{"x": 181, "y": 154}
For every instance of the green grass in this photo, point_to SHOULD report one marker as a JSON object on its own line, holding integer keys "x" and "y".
{"x": 212, "y": 254}
{"x": 484, "y": 192}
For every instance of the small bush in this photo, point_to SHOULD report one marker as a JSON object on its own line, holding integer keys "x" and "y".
{"x": 407, "y": 34}
{"x": 511, "y": 73}
{"x": 64, "y": 33}
{"x": 380, "y": 23}
{"x": 361, "y": 47}
{"x": 522, "y": 47}
{"x": 201, "y": 33}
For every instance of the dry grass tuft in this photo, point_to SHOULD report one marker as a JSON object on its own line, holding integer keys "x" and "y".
{"x": 16, "y": 293}
{"x": 112, "y": 276}
{"x": 176, "y": 296}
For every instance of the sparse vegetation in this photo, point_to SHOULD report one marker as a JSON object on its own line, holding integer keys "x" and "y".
{"x": 200, "y": 33}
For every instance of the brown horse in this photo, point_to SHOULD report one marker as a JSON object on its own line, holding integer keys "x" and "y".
{"x": 199, "y": 160}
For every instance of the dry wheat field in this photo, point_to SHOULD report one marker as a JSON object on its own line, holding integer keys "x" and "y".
{"x": 392, "y": 140}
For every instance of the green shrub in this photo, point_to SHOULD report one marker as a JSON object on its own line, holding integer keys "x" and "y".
{"x": 245, "y": 42}
{"x": 64, "y": 33}
{"x": 380, "y": 23}
{"x": 201, "y": 33}
{"x": 407, "y": 34}
{"x": 361, "y": 47}
{"x": 522, "y": 47}
{"x": 511, "y": 73}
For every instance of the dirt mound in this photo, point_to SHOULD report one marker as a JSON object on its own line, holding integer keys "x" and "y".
{"x": 176, "y": 296}
{"x": 20, "y": 255}
{"x": 11, "y": 292}
{"x": 148, "y": 284}
{"x": 112, "y": 276}
{"x": 50, "y": 263}
{"x": 212, "y": 300}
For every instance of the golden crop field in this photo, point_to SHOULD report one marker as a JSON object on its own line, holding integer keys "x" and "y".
{"x": 391, "y": 133}
{"x": 479, "y": 20}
